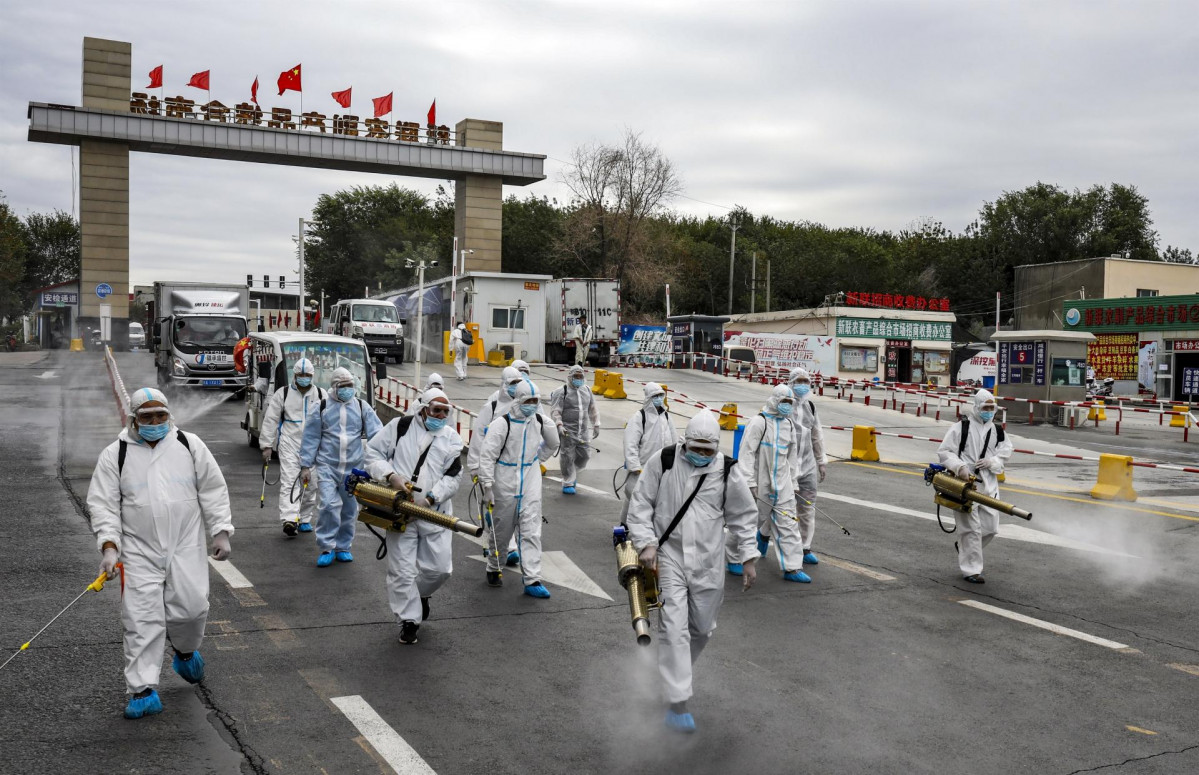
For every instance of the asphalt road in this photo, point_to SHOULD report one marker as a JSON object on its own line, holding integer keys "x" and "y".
{"x": 879, "y": 666}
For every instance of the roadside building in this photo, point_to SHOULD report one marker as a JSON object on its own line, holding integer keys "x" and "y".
{"x": 908, "y": 341}
{"x": 55, "y": 311}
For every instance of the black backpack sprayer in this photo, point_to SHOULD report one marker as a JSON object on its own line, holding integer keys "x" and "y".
{"x": 639, "y": 581}
{"x": 392, "y": 509}
{"x": 960, "y": 495}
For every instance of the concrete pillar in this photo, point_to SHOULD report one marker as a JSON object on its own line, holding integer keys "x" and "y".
{"x": 478, "y": 200}
{"x": 104, "y": 188}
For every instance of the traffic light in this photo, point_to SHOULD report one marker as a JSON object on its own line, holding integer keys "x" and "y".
{"x": 266, "y": 281}
{"x": 250, "y": 280}
{"x": 282, "y": 281}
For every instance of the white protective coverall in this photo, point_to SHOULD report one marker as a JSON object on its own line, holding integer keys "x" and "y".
{"x": 459, "y": 348}
{"x": 510, "y": 470}
{"x": 982, "y": 444}
{"x": 576, "y": 416}
{"x": 334, "y": 442}
{"x": 158, "y": 509}
{"x": 768, "y": 460}
{"x": 645, "y": 433}
{"x": 283, "y": 429}
{"x": 582, "y": 333}
{"x": 496, "y": 405}
{"x": 691, "y": 562}
{"x": 420, "y": 559}
{"x": 812, "y": 459}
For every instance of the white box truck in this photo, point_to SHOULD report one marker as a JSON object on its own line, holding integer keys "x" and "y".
{"x": 565, "y": 300}
{"x": 196, "y": 326}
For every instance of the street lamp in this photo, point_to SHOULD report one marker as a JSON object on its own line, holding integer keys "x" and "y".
{"x": 734, "y": 224}
{"x": 454, "y": 258}
{"x": 421, "y": 266}
{"x": 301, "y": 281}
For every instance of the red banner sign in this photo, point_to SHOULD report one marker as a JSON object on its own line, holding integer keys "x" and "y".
{"x": 895, "y": 301}
{"x": 1113, "y": 355}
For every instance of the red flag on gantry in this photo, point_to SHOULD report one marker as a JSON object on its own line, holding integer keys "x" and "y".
{"x": 382, "y": 105}
{"x": 343, "y": 97}
{"x": 254, "y": 92}
{"x": 155, "y": 78}
{"x": 200, "y": 80}
{"x": 290, "y": 80}
{"x": 433, "y": 113}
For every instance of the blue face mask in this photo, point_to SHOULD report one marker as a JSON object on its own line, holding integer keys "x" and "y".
{"x": 303, "y": 381}
{"x": 785, "y": 408}
{"x": 801, "y": 389}
{"x": 344, "y": 394}
{"x": 154, "y": 432}
{"x": 698, "y": 460}
{"x": 528, "y": 410}
{"x": 434, "y": 423}
{"x": 512, "y": 390}
{"x": 577, "y": 383}
{"x": 658, "y": 401}
{"x": 986, "y": 416}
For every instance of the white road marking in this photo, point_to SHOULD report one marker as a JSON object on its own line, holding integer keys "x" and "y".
{"x": 47, "y": 375}
{"x": 1054, "y": 628}
{"x": 392, "y": 748}
{"x": 588, "y": 488}
{"x": 232, "y": 576}
{"x": 1015, "y": 532}
{"x": 854, "y": 568}
{"x": 559, "y": 570}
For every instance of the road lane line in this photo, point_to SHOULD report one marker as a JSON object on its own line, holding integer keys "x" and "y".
{"x": 1054, "y": 628}
{"x": 1143, "y": 731}
{"x": 852, "y": 568}
{"x": 232, "y": 576}
{"x": 1191, "y": 669}
{"x": 586, "y": 487}
{"x": 387, "y": 742}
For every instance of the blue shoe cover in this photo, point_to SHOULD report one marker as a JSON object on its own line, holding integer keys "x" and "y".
{"x": 143, "y": 706}
{"x": 344, "y": 556}
{"x": 763, "y": 544}
{"x": 809, "y": 558}
{"x": 513, "y": 559}
{"x": 191, "y": 670}
{"x": 537, "y": 590}
{"x": 325, "y": 560}
{"x": 304, "y": 527}
{"x": 680, "y": 722}
{"x": 736, "y": 568}
{"x": 568, "y": 489}
{"x": 797, "y": 575}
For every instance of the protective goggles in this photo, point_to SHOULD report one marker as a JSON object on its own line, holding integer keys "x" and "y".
{"x": 154, "y": 415}
{"x": 437, "y": 409}
{"x": 702, "y": 447}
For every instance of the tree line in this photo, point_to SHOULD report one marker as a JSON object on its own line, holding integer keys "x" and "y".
{"x": 41, "y": 250}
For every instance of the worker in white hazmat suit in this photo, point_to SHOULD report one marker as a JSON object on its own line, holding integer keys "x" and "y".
{"x": 434, "y": 381}
{"x": 687, "y": 495}
{"x": 768, "y": 460}
{"x": 496, "y": 405}
{"x": 459, "y": 348}
{"x": 156, "y": 496}
{"x": 582, "y": 334}
{"x": 510, "y": 473}
{"x": 976, "y": 447}
{"x": 573, "y": 410}
{"x": 334, "y": 443}
{"x": 813, "y": 462}
{"x": 646, "y": 432}
{"x": 283, "y": 429}
{"x": 421, "y": 454}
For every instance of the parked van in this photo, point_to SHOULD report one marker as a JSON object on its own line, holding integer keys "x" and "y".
{"x": 275, "y": 354}
{"x": 742, "y": 361}
{"x": 373, "y": 321}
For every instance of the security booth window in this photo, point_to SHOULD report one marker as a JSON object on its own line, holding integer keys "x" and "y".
{"x": 508, "y": 317}
{"x": 375, "y": 313}
{"x": 326, "y": 357}
{"x": 859, "y": 359}
{"x": 1068, "y": 372}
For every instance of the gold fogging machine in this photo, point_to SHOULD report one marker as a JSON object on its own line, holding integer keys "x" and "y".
{"x": 960, "y": 495}
{"x": 639, "y": 581}
{"x": 393, "y": 509}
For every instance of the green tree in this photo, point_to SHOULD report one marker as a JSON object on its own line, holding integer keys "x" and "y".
{"x": 532, "y": 232}
{"x": 12, "y": 262}
{"x": 53, "y": 244}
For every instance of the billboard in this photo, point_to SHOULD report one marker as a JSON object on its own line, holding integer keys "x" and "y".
{"x": 817, "y": 354}
{"x": 644, "y": 344}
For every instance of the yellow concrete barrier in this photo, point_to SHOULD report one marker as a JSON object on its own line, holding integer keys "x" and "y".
{"x": 601, "y": 382}
{"x": 614, "y": 387}
{"x": 1097, "y": 412}
{"x": 1182, "y": 420}
{"x": 497, "y": 358}
{"x": 1115, "y": 479}
{"x": 728, "y": 417}
{"x": 863, "y": 445}
{"x": 76, "y": 345}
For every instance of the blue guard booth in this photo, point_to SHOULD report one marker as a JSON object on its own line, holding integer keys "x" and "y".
{"x": 696, "y": 341}
{"x": 1043, "y": 365}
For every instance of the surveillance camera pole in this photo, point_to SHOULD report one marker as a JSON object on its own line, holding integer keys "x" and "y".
{"x": 420, "y": 313}
{"x": 302, "y": 310}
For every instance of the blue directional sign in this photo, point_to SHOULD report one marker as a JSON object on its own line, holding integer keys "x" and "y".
{"x": 103, "y": 290}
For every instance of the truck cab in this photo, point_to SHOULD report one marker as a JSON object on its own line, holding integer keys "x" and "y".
{"x": 373, "y": 321}
{"x": 196, "y": 326}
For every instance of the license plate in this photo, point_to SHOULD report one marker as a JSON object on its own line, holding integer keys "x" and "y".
{"x": 212, "y": 382}
{"x": 381, "y": 350}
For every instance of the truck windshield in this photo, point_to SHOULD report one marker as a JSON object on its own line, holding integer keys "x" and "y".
{"x": 375, "y": 313}
{"x": 327, "y": 356}
{"x": 193, "y": 334}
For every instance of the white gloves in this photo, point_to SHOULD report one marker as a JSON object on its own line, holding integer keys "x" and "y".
{"x": 595, "y": 433}
{"x": 220, "y": 546}
{"x": 488, "y": 496}
{"x": 266, "y": 455}
{"x": 649, "y": 557}
{"x": 397, "y": 482}
{"x": 992, "y": 464}
{"x": 108, "y": 564}
{"x": 963, "y": 471}
{"x": 753, "y": 492}
{"x": 305, "y": 475}
{"x": 821, "y": 469}
{"x": 749, "y": 573}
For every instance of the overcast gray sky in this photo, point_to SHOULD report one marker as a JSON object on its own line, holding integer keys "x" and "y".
{"x": 871, "y": 114}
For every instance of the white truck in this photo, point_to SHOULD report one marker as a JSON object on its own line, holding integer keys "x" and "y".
{"x": 569, "y": 297}
{"x": 196, "y": 326}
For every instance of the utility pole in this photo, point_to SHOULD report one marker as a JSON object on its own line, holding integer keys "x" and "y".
{"x": 768, "y": 285}
{"x": 420, "y": 311}
{"x": 302, "y": 309}
{"x": 732, "y": 253}
{"x": 753, "y": 284}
